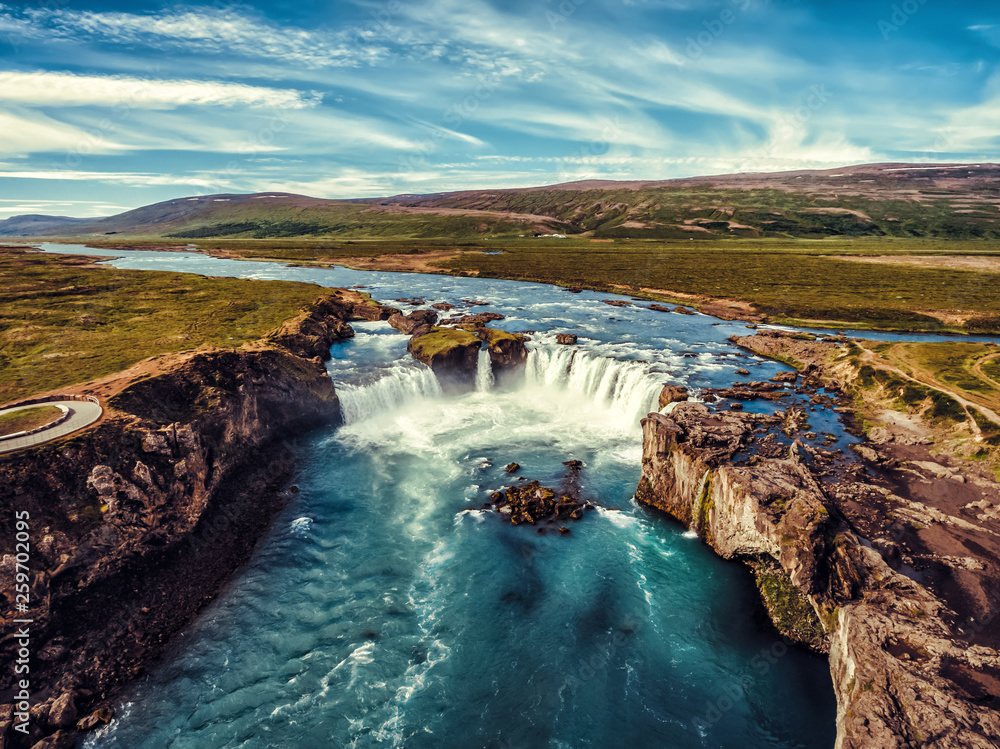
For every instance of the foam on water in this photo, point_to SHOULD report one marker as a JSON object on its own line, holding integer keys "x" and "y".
{"x": 400, "y": 384}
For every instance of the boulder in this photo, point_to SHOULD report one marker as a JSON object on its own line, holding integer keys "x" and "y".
{"x": 507, "y": 350}
{"x": 101, "y": 716}
{"x": 62, "y": 713}
{"x": 373, "y": 311}
{"x": 409, "y": 323}
{"x": 566, "y": 339}
{"x": 531, "y": 503}
{"x": 480, "y": 318}
{"x": 673, "y": 394}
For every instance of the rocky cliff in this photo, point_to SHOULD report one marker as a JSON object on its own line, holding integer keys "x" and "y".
{"x": 900, "y": 668}
{"x": 136, "y": 523}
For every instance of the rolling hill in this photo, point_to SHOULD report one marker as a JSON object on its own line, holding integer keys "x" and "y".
{"x": 948, "y": 201}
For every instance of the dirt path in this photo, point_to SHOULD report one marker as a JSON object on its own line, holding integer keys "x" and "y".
{"x": 977, "y": 368}
{"x": 927, "y": 379}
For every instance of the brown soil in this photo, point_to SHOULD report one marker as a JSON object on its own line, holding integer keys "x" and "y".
{"x": 989, "y": 264}
{"x": 425, "y": 262}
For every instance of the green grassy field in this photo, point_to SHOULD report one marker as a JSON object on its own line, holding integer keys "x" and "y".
{"x": 29, "y": 418}
{"x": 62, "y": 322}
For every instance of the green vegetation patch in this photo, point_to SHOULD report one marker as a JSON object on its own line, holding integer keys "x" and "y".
{"x": 64, "y": 320}
{"x": 440, "y": 340}
{"x": 493, "y": 336}
{"x": 28, "y": 418}
{"x": 789, "y": 608}
{"x": 990, "y": 430}
{"x": 991, "y": 369}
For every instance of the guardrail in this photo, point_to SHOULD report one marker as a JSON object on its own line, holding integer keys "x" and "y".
{"x": 51, "y": 425}
{"x": 66, "y": 414}
{"x": 49, "y": 399}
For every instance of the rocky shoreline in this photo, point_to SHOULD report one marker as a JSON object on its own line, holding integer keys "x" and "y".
{"x": 842, "y": 567}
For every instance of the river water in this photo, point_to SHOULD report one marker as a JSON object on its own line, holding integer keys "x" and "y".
{"x": 385, "y": 609}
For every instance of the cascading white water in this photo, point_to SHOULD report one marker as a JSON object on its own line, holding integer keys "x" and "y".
{"x": 403, "y": 383}
{"x": 484, "y": 372}
{"x": 626, "y": 387}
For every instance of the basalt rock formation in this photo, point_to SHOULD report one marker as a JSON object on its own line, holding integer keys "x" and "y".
{"x": 411, "y": 323}
{"x": 532, "y": 503}
{"x": 317, "y": 327}
{"x": 672, "y": 394}
{"x": 900, "y": 667}
{"x": 135, "y": 523}
{"x": 453, "y": 353}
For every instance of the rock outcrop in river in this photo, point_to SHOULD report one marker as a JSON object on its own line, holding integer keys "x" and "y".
{"x": 901, "y": 670}
{"x": 136, "y": 523}
{"x": 453, "y": 352}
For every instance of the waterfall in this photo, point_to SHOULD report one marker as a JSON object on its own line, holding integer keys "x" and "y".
{"x": 403, "y": 383}
{"x": 484, "y": 372}
{"x": 627, "y": 387}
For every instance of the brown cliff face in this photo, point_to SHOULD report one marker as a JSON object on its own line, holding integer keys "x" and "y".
{"x": 317, "y": 328}
{"x": 137, "y": 522}
{"x": 893, "y": 654}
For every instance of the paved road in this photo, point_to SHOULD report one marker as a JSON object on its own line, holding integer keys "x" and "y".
{"x": 82, "y": 413}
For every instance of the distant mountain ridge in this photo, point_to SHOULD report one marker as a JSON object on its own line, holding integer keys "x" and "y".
{"x": 959, "y": 201}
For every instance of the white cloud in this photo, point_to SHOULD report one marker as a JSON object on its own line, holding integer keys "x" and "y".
{"x": 75, "y": 208}
{"x": 32, "y": 132}
{"x": 206, "y": 30}
{"x": 59, "y": 89}
{"x": 138, "y": 179}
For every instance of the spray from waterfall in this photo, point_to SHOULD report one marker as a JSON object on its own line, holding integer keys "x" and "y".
{"x": 403, "y": 383}
{"x": 626, "y": 387}
{"x": 484, "y": 372}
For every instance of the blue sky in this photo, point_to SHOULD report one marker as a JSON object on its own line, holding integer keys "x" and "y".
{"x": 106, "y": 106}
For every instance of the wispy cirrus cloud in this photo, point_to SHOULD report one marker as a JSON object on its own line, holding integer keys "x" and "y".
{"x": 213, "y": 31}
{"x": 63, "y": 89}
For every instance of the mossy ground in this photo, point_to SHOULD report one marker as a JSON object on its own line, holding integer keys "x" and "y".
{"x": 493, "y": 336}
{"x": 788, "y": 607}
{"x": 440, "y": 340}
{"x": 29, "y": 418}
{"x": 64, "y": 321}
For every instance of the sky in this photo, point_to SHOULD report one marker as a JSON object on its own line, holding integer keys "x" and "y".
{"x": 106, "y": 106}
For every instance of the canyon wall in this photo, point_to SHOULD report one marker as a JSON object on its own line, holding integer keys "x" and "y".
{"x": 893, "y": 652}
{"x": 136, "y": 523}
